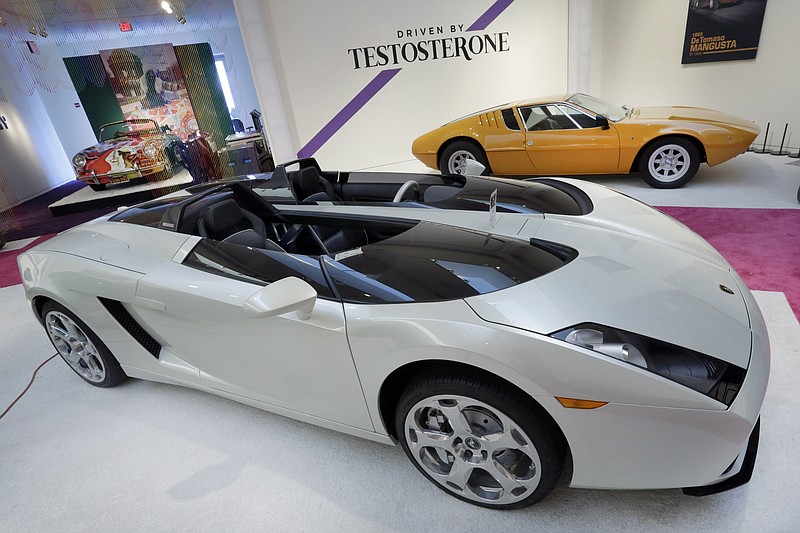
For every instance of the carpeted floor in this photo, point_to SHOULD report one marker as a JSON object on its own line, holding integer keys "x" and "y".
{"x": 762, "y": 245}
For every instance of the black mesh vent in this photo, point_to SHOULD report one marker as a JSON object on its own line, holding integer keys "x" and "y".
{"x": 130, "y": 325}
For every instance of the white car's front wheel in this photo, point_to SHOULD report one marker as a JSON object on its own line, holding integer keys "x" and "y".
{"x": 480, "y": 441}
{"x": 80, "y": 348}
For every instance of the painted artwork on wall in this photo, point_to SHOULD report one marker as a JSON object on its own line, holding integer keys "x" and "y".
{"x": 722, "y": 30}
{"x": 148, "y": 83}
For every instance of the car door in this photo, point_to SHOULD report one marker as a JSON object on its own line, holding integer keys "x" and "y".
{"x": 560, "y": 139}
{"x": 303, "y": 365}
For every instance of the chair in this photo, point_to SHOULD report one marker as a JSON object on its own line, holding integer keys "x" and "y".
{"x": 228, "y": 223}
{"x": 308, "y": 186}
{"x": 238, "y": 125}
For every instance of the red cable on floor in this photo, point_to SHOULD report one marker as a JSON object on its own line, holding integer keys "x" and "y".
{"x": 21, "y": 394}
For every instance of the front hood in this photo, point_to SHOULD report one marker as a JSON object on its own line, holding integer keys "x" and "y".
{"x": 636, "y": 270}
{"x": 687, "y": 113}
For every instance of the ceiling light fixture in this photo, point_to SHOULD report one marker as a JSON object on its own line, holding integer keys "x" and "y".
{"x": 2, "y": 21}
{"x": 166, "y": 7}
{"x": 43, "y": 32}
{"x": 32, "y": 29}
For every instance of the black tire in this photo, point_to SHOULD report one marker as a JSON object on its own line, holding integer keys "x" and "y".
{"x": 669, "y": 163}
{"x": 482, "y": 403}
{"x": 91, "y": 359}
{"x": 459, "y": 149}
{"x": 98, "y": 186}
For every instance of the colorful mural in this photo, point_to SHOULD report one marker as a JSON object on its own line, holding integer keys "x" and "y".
{"x": 149, "y": 84}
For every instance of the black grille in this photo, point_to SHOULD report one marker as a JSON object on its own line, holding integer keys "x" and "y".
{"x": 130, "y": 325}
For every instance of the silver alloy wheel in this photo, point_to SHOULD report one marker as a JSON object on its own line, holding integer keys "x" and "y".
{"x": 75, "y": 346}
{"x": 669, "y": 163}
{"x": 472, "y": 449}
{"x": 457, "y": 163}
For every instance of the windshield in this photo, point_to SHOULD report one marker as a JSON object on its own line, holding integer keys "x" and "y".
{"x": 612, "y": 112}
{"x": 128, "y": 128}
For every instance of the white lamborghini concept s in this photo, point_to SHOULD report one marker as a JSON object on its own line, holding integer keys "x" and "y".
{"x": 568, "y": 321}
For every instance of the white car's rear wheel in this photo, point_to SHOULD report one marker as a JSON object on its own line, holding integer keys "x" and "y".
{"x": 480, "y": 441}
{"x": 80, "y": 348}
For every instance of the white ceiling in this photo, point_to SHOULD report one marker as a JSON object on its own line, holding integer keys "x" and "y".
{"x": 63, "y": 17}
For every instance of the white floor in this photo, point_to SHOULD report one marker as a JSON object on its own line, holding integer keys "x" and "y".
{"x": 151, "y": 457}
{"x": 145, "y": 456}
{"x": 749, "y": 180}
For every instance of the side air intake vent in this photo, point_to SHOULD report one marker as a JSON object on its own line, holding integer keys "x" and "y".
{"x": 130, "y": 325}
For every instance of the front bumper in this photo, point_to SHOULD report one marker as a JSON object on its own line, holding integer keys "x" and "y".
{"x": 121, "y": 177}
{"x": 748, "y": 462}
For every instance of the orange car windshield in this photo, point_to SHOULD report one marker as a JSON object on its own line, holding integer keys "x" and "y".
{"x": 612, "y": 112}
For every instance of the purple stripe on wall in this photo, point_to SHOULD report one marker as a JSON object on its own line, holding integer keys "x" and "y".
{"x": 492, "y": 13}
{"x": 347, "y": 112}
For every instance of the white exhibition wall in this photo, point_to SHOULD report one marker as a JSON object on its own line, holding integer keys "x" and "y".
{"x": 325, "y": 53}
{"x": 636, "y": 60}
{"x": 31, "y": 157}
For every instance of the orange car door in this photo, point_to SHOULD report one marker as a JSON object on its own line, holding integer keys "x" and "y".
{"x": 563, "y": 140}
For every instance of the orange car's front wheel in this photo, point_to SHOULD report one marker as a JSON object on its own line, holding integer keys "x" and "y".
{"x": 669, "y": 163}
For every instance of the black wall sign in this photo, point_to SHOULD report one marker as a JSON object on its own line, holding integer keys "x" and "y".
{"x": 722, "y": 30}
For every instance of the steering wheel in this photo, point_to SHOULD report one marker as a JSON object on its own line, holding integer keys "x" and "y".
{"x": 404, "y": 189}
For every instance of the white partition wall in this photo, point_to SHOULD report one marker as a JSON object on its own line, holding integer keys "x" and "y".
{"x": 361, "y": 79}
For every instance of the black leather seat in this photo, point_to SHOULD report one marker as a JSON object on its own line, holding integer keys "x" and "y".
{"x": 229, "y": 223}
{"x": 309, "y": 186}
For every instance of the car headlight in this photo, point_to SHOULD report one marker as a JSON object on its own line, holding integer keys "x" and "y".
{"x": 707, "y": 375}
{"x": 79, "y": 161}
{"x": 150, "y": 150}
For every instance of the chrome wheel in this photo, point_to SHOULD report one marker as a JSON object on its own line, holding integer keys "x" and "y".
{"x": 457, "y": 163}
{"x": 75, "y": 346}
{"x": 472, "y": 450}
{"x": 669, "y": 163}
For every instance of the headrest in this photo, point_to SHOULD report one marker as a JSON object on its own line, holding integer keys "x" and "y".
{"x": 222, "y": 216}
{"x": 307, "y": 182}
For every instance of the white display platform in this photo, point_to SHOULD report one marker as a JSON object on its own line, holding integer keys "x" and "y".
{"x": 85, "y": 198}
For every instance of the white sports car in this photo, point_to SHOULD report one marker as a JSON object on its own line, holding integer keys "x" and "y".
{"x": 493, "y": 341}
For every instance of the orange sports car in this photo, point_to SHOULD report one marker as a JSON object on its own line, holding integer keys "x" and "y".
{"x": 578, "y": 134}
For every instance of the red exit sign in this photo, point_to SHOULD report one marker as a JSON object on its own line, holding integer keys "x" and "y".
{"x": 125, "y": 26}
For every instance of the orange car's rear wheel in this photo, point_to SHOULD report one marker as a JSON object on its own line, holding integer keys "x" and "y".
{"x": 98, "y": 186}
{"x": 455, "y": 155}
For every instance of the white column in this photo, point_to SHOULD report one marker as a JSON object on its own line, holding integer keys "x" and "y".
{"x": 280, "y": 131}
{"x": 580, "y": 45}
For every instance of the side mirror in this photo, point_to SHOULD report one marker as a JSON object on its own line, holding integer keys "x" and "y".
{"x": 282, "y": 297}
{"x": 601, "y": 121}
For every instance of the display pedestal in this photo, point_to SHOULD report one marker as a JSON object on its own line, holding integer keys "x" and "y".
{"x": 85, "y": 199}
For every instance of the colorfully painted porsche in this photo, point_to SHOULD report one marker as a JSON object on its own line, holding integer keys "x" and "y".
{"x": 572, "y": 322}
{"x": 128, "y": 149}
{"x": 577, "y": 134}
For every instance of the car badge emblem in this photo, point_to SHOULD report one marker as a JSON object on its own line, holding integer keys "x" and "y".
{"x": 723, "y": 288}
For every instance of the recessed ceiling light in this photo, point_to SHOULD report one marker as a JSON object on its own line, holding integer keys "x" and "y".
{"x": 43, "y": 32}
{"x": 2, "y": 21}
{"x": 166, "y": 7}
{"x": 32, "y": 29}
